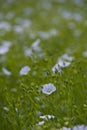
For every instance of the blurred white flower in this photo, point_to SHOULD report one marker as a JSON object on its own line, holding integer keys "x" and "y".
{"x": 6, "y": 72}
{"x": 24, "y": 70}
{"x": 26, "y": 23}
{"x": 50, "y": 33}
{"x": 78, "y": 127}
{"x": 44, "y": 35}
{"x": 4, "y": 48}
{"x": 77, "y": 17}
{"x": 65, "y": 128}
{"x": 6, "y": 108}
{"x": 5, "y": 25}
{"x": 28, "y": 52}
{"x": 18, "y": 29}
{"x": 85, "y": 54}
{"x": 67, "y": 57}
{"x": 41, "y": 123}
{"x": 48, "y": 89}
{"x": 35, "y": 45}
{"x": 46, "y": 117}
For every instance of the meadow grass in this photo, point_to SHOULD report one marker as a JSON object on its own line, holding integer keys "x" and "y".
{"x": 61, "y": 28}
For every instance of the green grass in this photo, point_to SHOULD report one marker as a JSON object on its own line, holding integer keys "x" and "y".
{"x": 22, "y": 95}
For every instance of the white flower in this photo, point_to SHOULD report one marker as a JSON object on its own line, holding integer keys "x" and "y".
{"x": 6, "y": 72}
{"x": 85, "y": 53}
{"x": 5, "y": 25}
{"x": 4, "y": 48}
{"x": 24, "y": 70}
{"x": 65, "y": 128}
{"x": 6, "y": 108}
{"x": 80, "y": 127}
{"x": 50, "y": 33}
{"x": 28, "y": 52}
{"x": 44, "y": 35}
{"x": 35, "y": 45}
{"x": 16, "y": 109}
{"x": 46, "y": 117}
{"x": 41, "y": 123}
{"x": 56, "y": 67}
{"x": 48, "y": 89}
{"x": 67, "y": 57}
{"x": 63, "y": 61}
{"x": 26, "y": 23}
{"x": 18, "y": 29}
{"x": 77, "y": 17}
